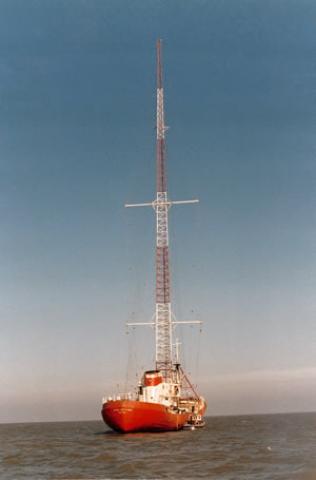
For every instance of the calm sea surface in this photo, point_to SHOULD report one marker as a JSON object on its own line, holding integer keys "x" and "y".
{"x": 247, "y": 447}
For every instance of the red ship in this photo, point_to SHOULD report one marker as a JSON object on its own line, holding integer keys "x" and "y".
{"x": 165, "y": 399}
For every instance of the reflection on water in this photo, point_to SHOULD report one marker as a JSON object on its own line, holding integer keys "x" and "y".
{"x": 228, "y": 448}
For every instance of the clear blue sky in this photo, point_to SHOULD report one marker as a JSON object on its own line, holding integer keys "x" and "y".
{"x": 77, "y": 140}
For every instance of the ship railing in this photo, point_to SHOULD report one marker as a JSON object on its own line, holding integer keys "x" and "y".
{"x": 120, "y": 396}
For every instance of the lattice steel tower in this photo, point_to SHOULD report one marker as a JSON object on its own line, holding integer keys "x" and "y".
{"x": 163, "y": 315}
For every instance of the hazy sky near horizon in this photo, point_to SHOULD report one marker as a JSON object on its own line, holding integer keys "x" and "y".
{"x": 77, "y": 141}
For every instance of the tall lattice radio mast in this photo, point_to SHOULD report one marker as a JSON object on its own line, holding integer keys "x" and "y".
{"x": 163, "y": 315}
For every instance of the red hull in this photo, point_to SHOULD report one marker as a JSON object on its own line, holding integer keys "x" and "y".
{"x": 135, "y": 416}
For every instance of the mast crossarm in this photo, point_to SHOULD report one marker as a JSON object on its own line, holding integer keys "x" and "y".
{"x": 134, "y": 324}
{"x": 193, "y": 322}
{"x": 179, "y": 202}
{"x": 156, "y": 203}
{"x": 128, "y": 205}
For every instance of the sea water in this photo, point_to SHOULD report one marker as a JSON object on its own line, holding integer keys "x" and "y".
{"x": 227, "y": 448}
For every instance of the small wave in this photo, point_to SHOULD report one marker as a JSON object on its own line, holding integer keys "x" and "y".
{"x": 12, "y": 460}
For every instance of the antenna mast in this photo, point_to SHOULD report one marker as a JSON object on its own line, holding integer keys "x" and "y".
{"x": 163, "y": 316}
{"x": 163, "y": 306}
